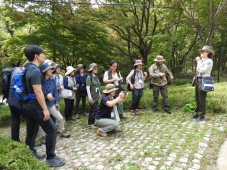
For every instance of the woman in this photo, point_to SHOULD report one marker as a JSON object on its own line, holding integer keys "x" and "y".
{"x": 80, "y": 94}
{"x": 51, "y": 95}
{"x": 93, "y": 93}
{"x": 105, "y": 115}
{"x": 69, "y": 83}
{"x": 58, "y": 78}
{"x": 203, "y": 69}
{"x": 136, "y": 86}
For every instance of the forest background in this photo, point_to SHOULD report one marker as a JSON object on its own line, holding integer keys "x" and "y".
{"x": 73, "y": 32}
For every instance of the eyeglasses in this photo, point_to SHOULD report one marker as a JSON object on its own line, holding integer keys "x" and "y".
{"x": 95, "y": 68}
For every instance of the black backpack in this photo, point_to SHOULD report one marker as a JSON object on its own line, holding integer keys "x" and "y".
{"x": 6, "y": 82}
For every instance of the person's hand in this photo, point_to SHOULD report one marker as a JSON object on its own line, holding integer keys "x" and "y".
{"x": 120, "y": 79}
{"x": 115, "y": 79}
{"x": 171, "y": 77}
{"x": 90, "y": 100}
{"x": 46, "y": 114}
{"x": 145, "y": 74}
{"x": 162, "y": 74}
{"x": 131, "y": 87}
{"x": 74, "y": 88}
{"x": 50, "y": 98}
{"x": 57, "y": 106}
{"x": 60, "y": 88}
{"x": 122, "y": 95}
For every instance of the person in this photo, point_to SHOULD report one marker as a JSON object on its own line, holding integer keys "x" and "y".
{"x": 36, "y": 109}
{"x": 80, "y": 94}
{"x": 52, "y": 98}
{"x": 93, "y": 93}
{"x": 69, "y": 82}
{"x": 137, "y": 87}
{"x": 203, "y": 69}
{"x": 105, "y": 116}
{"x": 158, "y": 72}
{"x": 58, "y": 79}
{"x": 114, "y": 76}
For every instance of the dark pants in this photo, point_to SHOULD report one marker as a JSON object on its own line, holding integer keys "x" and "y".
{"x": 34, "y": 120}
{"x": 79, "y": 96}
{"x": 16, "y": 114}
{"x": 164, "y": 93}
{"x": 200, "y": 98}
{"x": 136, "y": 96}
{"x": 93, "y": 110}
{"x": 69, "y": 104}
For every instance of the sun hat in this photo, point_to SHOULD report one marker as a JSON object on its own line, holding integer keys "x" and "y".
{"x": 79, "y": 66}
{"x": 91, "y": 66}
{"x": 109, "y": 88}
{"x": 138, "y": 62}
{"x": 56, "y": 66}
{"x": 69, "y": 69}
{"x": 208, "y": 48}
{"x": 159, "y": 58}
{"x": 47, "y": 66}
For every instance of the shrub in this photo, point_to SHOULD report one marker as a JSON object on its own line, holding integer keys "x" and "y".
{"x": 15, "y": 155}
{"x": 5, "y": 116}
{"x": 190, "y": 107}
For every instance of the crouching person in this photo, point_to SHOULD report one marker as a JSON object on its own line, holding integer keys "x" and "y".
{"x": 106, "y": 114}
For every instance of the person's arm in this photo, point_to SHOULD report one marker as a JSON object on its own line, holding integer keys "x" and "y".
{"x": 105, "y": 78}
{"x": 41, "y": 100}
{"x": 88, "y": 84}
{"x": 56, "y": 95}
{"x": 113, "y": 102}
{"x": 66, "y": 84}
{"x": 128, "y": 78}
{"x": 208, "y": 66}
{"x": 152, "y": 72}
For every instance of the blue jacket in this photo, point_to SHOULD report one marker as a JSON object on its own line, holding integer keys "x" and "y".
{"x": 81, "y": 80}
{"x": 50, "y": 87}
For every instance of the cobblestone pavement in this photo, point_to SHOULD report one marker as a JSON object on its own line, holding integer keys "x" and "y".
{"x": 147, "y": 141}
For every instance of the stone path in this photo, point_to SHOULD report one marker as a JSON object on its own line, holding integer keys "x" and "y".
{"x": 148, "y": 141}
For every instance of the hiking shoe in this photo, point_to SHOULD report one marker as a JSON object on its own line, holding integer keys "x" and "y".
{"x": 136, "y": 111}
{"x": 64, "y": 134}
{"x": 200, "y": 119}
{"x": 92, "y": 126}
{"x": 122, "y": 117}
{"x": 37, "y": 143}
{"x": 103, "y": 134}
{"x": 132, "y": 112}
{"x": 55, "y": 162}
{"x": 195, "y": 116}
{"x": 40, "y": 157}
{"x": 168, "y": 111}
{"x": 77, "y": 116}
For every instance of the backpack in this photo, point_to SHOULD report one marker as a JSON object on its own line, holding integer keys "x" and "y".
{"x": 132, "y": 81}
{"x": 6, "y": 82}
{"x": 19, "y": 89}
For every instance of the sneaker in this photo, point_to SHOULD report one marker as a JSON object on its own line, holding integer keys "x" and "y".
{"x": 64, "y": 134}
{"x": 195, "y": 116}
{"x": 132, "y": 112}
{"x": 77, "y": 116}
{"x": 122, "y": 117}
{"x": 55, "y": 162}
{"x": 92, "y": 126}
{"x": 40, "y": 157}
{"x": 168, "y": 111}
{"x": 136, "y": 111}
{"x": 103, "y": 134}
{"x": 37, "y": 143}
{"x": 200, "y": 119}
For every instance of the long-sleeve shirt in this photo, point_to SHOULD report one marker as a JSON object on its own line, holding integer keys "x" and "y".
{"x": 70, "y": 82}
{"x": 138, "y": 79}
{"x": 204, "y": 67}
{"x": 81, "y": 81}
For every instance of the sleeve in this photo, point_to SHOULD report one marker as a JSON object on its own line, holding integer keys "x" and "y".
{"x": 105, "y": 77}
{"x": 66, "y": 84}
{"x": 121, "y": 77}
{"x": 88, "y": 81}
{"x": 167, "y": 72}
{"x": 61, "y": 80}
{"x": 56, "y": 95}
{"x": 208, "y": 66}
{"x": 88, "y": 92}
{"x": 128, "y": 78}
{"x": 104, "y": 100}
{"x": 36, "y": 77}
{"x": 152, "y": 72}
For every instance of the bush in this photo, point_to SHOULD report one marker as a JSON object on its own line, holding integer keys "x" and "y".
{"x": 190, "y": 107}
{"x": 15, "y": 155}
{"x": 5, "y": 116}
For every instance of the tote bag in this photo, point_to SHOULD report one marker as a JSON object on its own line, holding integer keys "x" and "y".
{"x": 66, "y": 93}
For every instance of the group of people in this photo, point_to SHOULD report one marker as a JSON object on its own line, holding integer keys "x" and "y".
{"x": 45, "y": 81}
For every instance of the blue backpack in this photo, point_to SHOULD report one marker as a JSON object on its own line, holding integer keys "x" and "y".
{"x": 6, "y": 82}
{"x": 18, "y": 87}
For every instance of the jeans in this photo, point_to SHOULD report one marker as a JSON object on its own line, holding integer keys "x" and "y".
{"x": 200, "y": 97}
{"x": 93, "y": 110}
{"x": 79, "y": 96}
{"x": 69, "y": 104}
{"x": 16, "y": 113}
{"x": 136, "y": 96}
{"x": 164, "y": 93}
{"x": 34, "y": 120}
{"x": 108, "y": 125}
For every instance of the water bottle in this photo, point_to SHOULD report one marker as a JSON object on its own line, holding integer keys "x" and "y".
{"x": 17, "y": 89}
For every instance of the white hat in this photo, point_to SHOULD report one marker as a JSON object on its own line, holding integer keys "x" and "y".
{"x": 209, "y": 49}
{"x": 109, "y": 88}
{"x": 69, "y": 70}
{"x": 159, "y": 58}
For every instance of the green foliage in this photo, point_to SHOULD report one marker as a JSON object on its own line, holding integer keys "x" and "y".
{"x": 190, "y": 107}
{"x": 15, "y": 155}
{"x": 5, "y": 116}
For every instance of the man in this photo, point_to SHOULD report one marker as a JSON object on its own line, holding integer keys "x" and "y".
{"x": 113, "y": 76}
{"x": 158, "y": 72}
{"x": 36, "y": 109}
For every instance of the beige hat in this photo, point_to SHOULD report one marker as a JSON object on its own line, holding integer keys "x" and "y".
{"x": 138, "y": 62}
{"x": 109, "y": 88}
{"x": 69, "y": 69}
{"x": 209, "y": 49}
{"x": 91, "y": 66}
{"x": 159, "y": 58}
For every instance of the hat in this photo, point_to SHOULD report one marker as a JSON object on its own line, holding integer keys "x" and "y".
{"x": 79, "y": 66}
{"x": 138, "y": 62}
{"x": 69, "y": 70}
{"x": 91, "y": 66}
{"x": 209, "y": 49}
{"x": 159, "y": 58}
{"x": 56, "y": 66}
{"x": 109, "y": 88}
{"x": 47, "y": 66}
